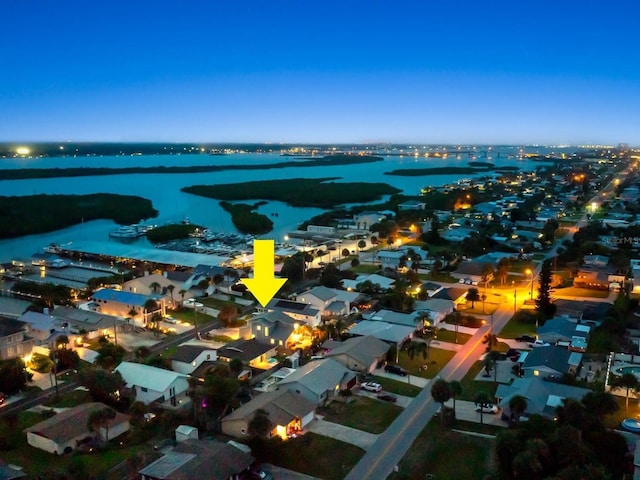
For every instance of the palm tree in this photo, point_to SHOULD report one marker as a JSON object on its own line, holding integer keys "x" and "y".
{"x": 154, "y": 286}
{"x": 456, "y": 390}
{"x": 628, "y": 381}
{"x": 423, "y": 319}
{"x": 170, "y": 289}
{"x": 182, "y": 293}
{"x": 473, "y": 296}
{"x": 491, "y": 362}
{"x": 156, "y": 318}
{"x": 416, "y": 347}
{"x": 441, "y": 393}
{"x": 236, "y": 365}
{"x": 149, "y": 307}
{"x": 482, "y": 399}
{"x": 517, "y": 406}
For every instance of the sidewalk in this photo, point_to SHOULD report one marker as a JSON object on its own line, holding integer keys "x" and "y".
{"x": 350, "y": 435}
{"x": 410, "y": 379}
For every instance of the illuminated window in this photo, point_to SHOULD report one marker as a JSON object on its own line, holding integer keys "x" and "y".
{"x": 258, "y": 327}
{"x": 536, "y": 373}
{"x": 272, "y": 341}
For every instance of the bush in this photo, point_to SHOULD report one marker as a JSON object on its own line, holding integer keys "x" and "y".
{"x": 41, "y": 363}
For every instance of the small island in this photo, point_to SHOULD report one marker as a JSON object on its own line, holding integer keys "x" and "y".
{"x": 45, "y": 213}
{"x": 174, "y": 231}
{"x": 246, "y": 220}
{"x": 297, "y": 192}
{"x": 326, "y": 161}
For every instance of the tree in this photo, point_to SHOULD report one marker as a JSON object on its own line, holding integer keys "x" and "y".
{"x": 102, "y": 385}
{"x": 473, "y": 296}
{"x": 227, "y": 314}
{"x": 12, "y": 375}
{"x": 416, "y": 347}
{"x": 62, "y": 341}
{"x": 504, "y": 265}
{"x": 260, "y": 425}
{"x": 109, "y": 355}
{"x": 600, "y": 403}
{"x": 628, "y": 381}
{"x": 155, "y": 286}
{"x": 100, "y": 419}
{"x": 441, "y": 393}
{"x": 182, "y": 293}
{"x": 543, "y": 302}
{"x": 517, "y": 406}
{"x": 487, "y": 273}
{"x": 170, "y": 289}
{"x": 491, "y": 362}
{"x": 150, "y": 306}
{"x": 456, "y": 390}
{"x": 482, "y": 399}
{"x": 142, "y": 352}
{"x": 423, "y": 319}
{"x": 361, "y": 244}
{"x": 156, "y": 320}
{"x": 345, "y": 252}
{"x": 293, "y": 268}
{"x": 354, "y": 262}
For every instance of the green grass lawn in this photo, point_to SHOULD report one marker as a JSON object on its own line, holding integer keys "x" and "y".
{"x": 363, "y": 413}
{"x": 579, "y": 292}
{"x": 477, "y": 309}
{"x": 70, "y": 399}
{"x": 188, "y": 316}
{"x": 471, "y": 387}
{"x": 475, "y": 427}
{"x": 436, "y": 360}
{"x": 447, "y": 455}
{"x": 365, "y": 268}
{"x": 319, "y": 456}
{"x": 450, "y": 336}
{"x": 514, "y": 328}
{"x": 394, "y": 386}
{"x": 437, "y": 277}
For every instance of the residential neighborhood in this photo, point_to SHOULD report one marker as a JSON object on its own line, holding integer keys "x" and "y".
{"x": 475, "y": 311}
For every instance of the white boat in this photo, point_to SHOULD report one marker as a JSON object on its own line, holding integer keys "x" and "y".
{"x": 125, "y": 232}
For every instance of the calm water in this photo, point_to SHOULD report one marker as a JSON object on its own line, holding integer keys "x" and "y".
{"x": 174, "y": 205}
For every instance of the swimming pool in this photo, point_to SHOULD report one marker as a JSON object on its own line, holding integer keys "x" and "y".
{"x": 633, "y": 370}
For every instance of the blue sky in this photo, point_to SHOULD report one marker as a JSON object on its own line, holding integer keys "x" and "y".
{"x": 330, "y": 71}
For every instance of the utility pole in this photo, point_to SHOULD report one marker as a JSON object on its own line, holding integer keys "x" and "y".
{"x": 514, "y": 298}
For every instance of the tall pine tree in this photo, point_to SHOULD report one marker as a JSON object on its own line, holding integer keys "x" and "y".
{"x": 543, "y": 302}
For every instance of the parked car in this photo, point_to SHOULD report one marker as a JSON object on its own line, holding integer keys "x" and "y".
{"x": 3, "y": 397}
{"x": 259, "y": 474}
{"x": 525, "y": 338}
{"x": 396, "y": 369}
{"x": 388, "y": 397}
{"x": 539, "y": 343}
{"x": 513, "y": 354}
{"x": 371, "y": 387}
{"x": 170, "y": 319}
{"x": 487, "y": 408}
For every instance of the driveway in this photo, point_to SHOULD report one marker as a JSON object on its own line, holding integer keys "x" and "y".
{"x": 466, "y": 411}
{"x": 336, "y": 431}
{"x": 411, "y": 379}
{"x": 284, "y": 474}
{"x": 402, "y": 400}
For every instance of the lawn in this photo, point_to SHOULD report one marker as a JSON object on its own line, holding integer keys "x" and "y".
{"x": 514, "y": 328}
{"x": 362, "y": 268}
{"x": 450, "y": 336}
{"x": 37, "y": 461}
{"x": 321, "y": 457}
{"x": 614, "y": 420}
{"x": 579, "y": 292}
{"x": 471, "y": 387}
{"x": 477, "y": 308}
{"x": 70, "y": 399}
{"x": 367, "y": 414}
{"x": 436, "y": 360}
{"x": 399, "y": 388}
{"x": 188, "y": 316}
{"x": 447, "y": 455}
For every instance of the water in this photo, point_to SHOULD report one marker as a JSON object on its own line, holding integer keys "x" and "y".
{"x": 164, "y": 189}
{"x": 632, "y": 370}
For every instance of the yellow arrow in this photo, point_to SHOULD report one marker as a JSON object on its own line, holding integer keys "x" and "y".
{"x": 263, "y": 285}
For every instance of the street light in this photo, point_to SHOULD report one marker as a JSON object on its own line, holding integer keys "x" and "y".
{"x": 514, "y": 297}
{"x": 528, "y": 271}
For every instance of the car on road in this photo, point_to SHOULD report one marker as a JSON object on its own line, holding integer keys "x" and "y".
{"x": 371, "y": 387}
{"x": 387, "y": 397}
{"x": 396, "y": 369}
{"x": 487, "y": 408}
{"x": 525, "y": 338}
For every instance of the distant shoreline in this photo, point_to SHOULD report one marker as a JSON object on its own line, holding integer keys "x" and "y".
{"x": 326, "y": 161}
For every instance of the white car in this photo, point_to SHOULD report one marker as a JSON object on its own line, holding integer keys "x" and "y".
{"x": 539, "y": 343}
{"x": 371, "y": 387}
{"x": 170, "y": 319}
{"x": 487, "y": 408}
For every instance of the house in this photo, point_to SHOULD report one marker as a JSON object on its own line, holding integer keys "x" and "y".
{"x": 395, "y": 318}
{"x": 319, "y": 381}
{"x": 457, "y": 234}
{"x": 329, "y": 301}
{"x": 391, "y": 258}
{"x": 457, "y": 295}
{"x": 470, "y": 269}
{"x": 189, "y": 357}
{"x": 387, "y": 332}
{"x": 288, "y": 411}
{"x": 299, "y": 311}
{"x": 595, "y": 279}
{"x": 42, "y": 326}
{"x": 595, "y": 260}
{"x": 61, "y": 433}
{"x": 586, "y": 312}
{"x": 562, "y": 329}
{"x": 145, "y": 283}
{"x": 383, "y": 283}
{"x": 192, "y": 458}
{"x": 550, "y": 361}
{"x": 249, "y": 352}
{"x": 361, "y": 354}
{"x": 90, "y": 324}
{"x": 10, "y": 472}
{"x": 273, "y": 328}
{"x": 412, "y": 205}
{"x": 185, "y": 432}
{"x": 437, "y": 308}
{"x": 123, "y": 304}
{"x": 542, "y": 397}
{"x": 152, "y": 384}
{"x": 430, "y": 288}
{"x": 364, "y": 220}
{"x": 13, "y": 339}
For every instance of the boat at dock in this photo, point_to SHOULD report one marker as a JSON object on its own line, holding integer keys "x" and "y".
{"x": 131, "y": 231}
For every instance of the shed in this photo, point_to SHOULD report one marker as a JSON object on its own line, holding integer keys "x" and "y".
{"x": 185, "y": 432}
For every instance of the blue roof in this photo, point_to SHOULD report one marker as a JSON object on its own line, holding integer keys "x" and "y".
{"x": 127, "y": 298}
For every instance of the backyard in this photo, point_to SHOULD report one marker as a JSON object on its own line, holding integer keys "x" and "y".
{"x": 434, "y": 362}
{"x": 367, "y": 414}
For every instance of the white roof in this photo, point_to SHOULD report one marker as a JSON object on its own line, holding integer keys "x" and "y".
{"x": 319, "y": 376}
{"x": 186, "y": 429}
{"x": 146, "y": 376}
{"x": 382, "y": 330}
